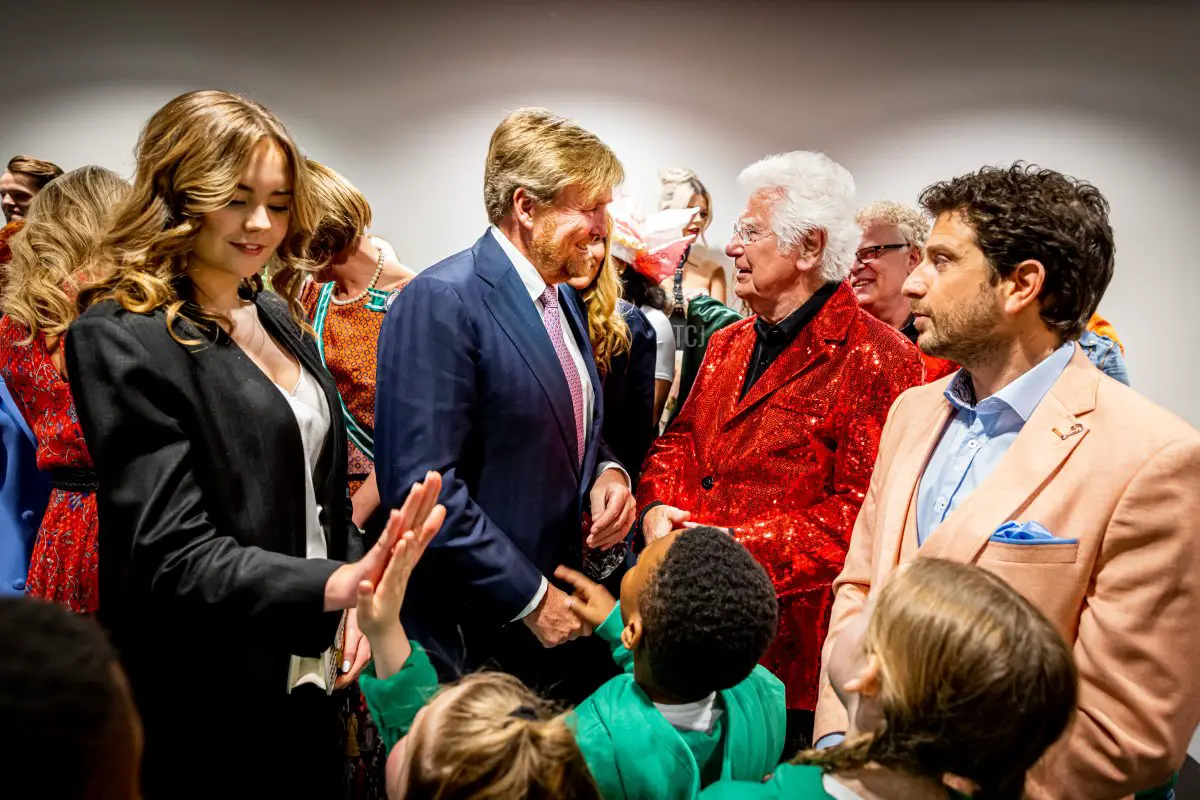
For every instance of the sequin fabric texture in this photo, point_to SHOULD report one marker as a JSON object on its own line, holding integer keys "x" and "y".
{"x": 787, "y": 466}
{"x": 62, "y": 568}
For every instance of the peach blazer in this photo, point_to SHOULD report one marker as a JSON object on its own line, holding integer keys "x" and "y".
{"x": 1099, "y": 463}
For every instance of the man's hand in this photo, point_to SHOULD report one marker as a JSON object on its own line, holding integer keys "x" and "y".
{"x": 341, "y": 590}
{"x": 552, "y": 621}
{"x": 356, "y": 655}
{"x": 661, "y": 520}
{"x": 591, "y": 602}
{"x": 613, "y": 509}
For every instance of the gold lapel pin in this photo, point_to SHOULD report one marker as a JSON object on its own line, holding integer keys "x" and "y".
{"x": 1071, "y": 431}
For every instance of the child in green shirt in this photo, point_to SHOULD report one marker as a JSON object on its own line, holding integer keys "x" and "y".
{"x": 951, "y": 679}
{"x": 691, "y": 706}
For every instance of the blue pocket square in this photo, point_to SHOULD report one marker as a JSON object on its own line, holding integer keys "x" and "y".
{"x": 1013, "y": 532}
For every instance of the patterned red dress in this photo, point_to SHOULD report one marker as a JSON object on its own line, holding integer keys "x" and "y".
{"x": 63, "y": 566}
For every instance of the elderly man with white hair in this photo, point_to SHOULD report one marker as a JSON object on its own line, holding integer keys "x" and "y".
{"x": 777, "y": 439}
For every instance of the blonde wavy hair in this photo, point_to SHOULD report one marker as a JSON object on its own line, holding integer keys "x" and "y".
{"x": 544, "y": 154}
{"x": 190, "y": 157}
{"x": 607, "y": 330}
{"x": 911, "y": 223}
{"x": 345, "y": 213}
{"x": 56, "y": 248}
{"x": 490, "y": 738}
{"x": 956, "y": 645}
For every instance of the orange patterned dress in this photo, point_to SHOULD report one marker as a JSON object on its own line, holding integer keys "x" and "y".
{"x": 347, "y": 337}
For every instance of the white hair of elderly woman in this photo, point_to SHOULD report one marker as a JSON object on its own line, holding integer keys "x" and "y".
{"x": 814, "y": 193}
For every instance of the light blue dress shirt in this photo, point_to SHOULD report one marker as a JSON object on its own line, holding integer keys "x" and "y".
{"x": 978, "y": 436}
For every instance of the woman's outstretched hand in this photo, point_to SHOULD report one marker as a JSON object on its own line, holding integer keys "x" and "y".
{"x": 341, "y": 590}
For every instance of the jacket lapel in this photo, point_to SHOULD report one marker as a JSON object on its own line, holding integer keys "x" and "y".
{"x": 912, "y": 455}
{"x": 516, "y": 314}
{"x": 1053, "y": 431}
{"x": 823, "y": 334}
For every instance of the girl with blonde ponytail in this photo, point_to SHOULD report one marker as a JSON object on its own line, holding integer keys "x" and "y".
{"x": 950, "y": 679}
{"x": 487, "y": 737}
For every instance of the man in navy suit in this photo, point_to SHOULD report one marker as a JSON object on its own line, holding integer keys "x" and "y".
{"x": 486, "y": 375}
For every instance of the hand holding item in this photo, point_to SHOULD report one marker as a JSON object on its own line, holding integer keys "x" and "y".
{"x": 613, "y": 510}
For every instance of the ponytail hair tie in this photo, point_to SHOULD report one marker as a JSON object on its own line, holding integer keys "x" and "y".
{"x": 524, "y": 712}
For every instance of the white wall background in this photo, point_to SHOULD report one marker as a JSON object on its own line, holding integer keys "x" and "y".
{"x": 402, "y": 101}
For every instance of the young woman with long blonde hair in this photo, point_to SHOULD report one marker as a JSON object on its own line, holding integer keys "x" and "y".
{"x": 213, "y": 425}
{"x": 51, "y": 256}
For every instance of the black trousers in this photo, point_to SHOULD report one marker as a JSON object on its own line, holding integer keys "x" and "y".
{"x": 799, "y": 733}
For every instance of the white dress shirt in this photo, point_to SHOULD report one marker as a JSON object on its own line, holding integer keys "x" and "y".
{"x": 536, "y": 285}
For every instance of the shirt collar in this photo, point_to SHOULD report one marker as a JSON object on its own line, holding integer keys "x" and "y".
{"x": 534, "y": 283}
{"x": 1022, "y": 395}
{"x": 790, "y": 326}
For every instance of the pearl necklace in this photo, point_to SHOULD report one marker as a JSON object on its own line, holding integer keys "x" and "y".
{"x": 374, "y": 279}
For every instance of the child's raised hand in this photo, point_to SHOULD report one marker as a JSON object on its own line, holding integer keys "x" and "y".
{"x": 379, "y": 605}
{"x": 591, "y": 602}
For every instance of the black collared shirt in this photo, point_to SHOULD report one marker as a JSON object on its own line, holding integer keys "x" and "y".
{"x": 909, "y": 329}
{"x": 772, "y": 340}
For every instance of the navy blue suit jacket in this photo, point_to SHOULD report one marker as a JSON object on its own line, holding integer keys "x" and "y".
{"x": 468, "y": 384}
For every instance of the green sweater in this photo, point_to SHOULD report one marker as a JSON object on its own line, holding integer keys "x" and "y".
{"x": 631, "y": 749}
{"x": 633, "y": 752}
{"x": 395, "y": 701}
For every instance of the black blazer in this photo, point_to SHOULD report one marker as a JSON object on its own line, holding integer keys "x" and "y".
{"x": 629, "y": 425}
{"x": 203, "y": 582}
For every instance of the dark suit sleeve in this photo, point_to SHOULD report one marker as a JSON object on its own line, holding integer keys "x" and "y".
{"x": 426, "y": 407}
{"x": 152, "y": 509}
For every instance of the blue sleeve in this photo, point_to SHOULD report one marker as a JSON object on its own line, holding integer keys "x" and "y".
{"x": 1106, "y": 355}
{"x": 426, "y": 406}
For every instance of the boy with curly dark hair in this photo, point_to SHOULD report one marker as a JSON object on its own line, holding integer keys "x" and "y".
{"x": 692, "y": 705}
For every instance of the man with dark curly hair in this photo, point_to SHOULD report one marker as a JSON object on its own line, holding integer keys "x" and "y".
{"x": 697, "y": 612}
{"x": 1079, "y": 492}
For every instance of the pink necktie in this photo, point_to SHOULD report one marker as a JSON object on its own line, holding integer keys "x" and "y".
{"x": 550, "y": 318}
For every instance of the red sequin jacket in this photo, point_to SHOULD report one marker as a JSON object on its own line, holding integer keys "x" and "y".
{"x": 787, "y": 466}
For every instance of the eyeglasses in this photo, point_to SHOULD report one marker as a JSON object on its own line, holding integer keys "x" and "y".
{"x": 869, "y": 254}
{"x": 748, "y": 234}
